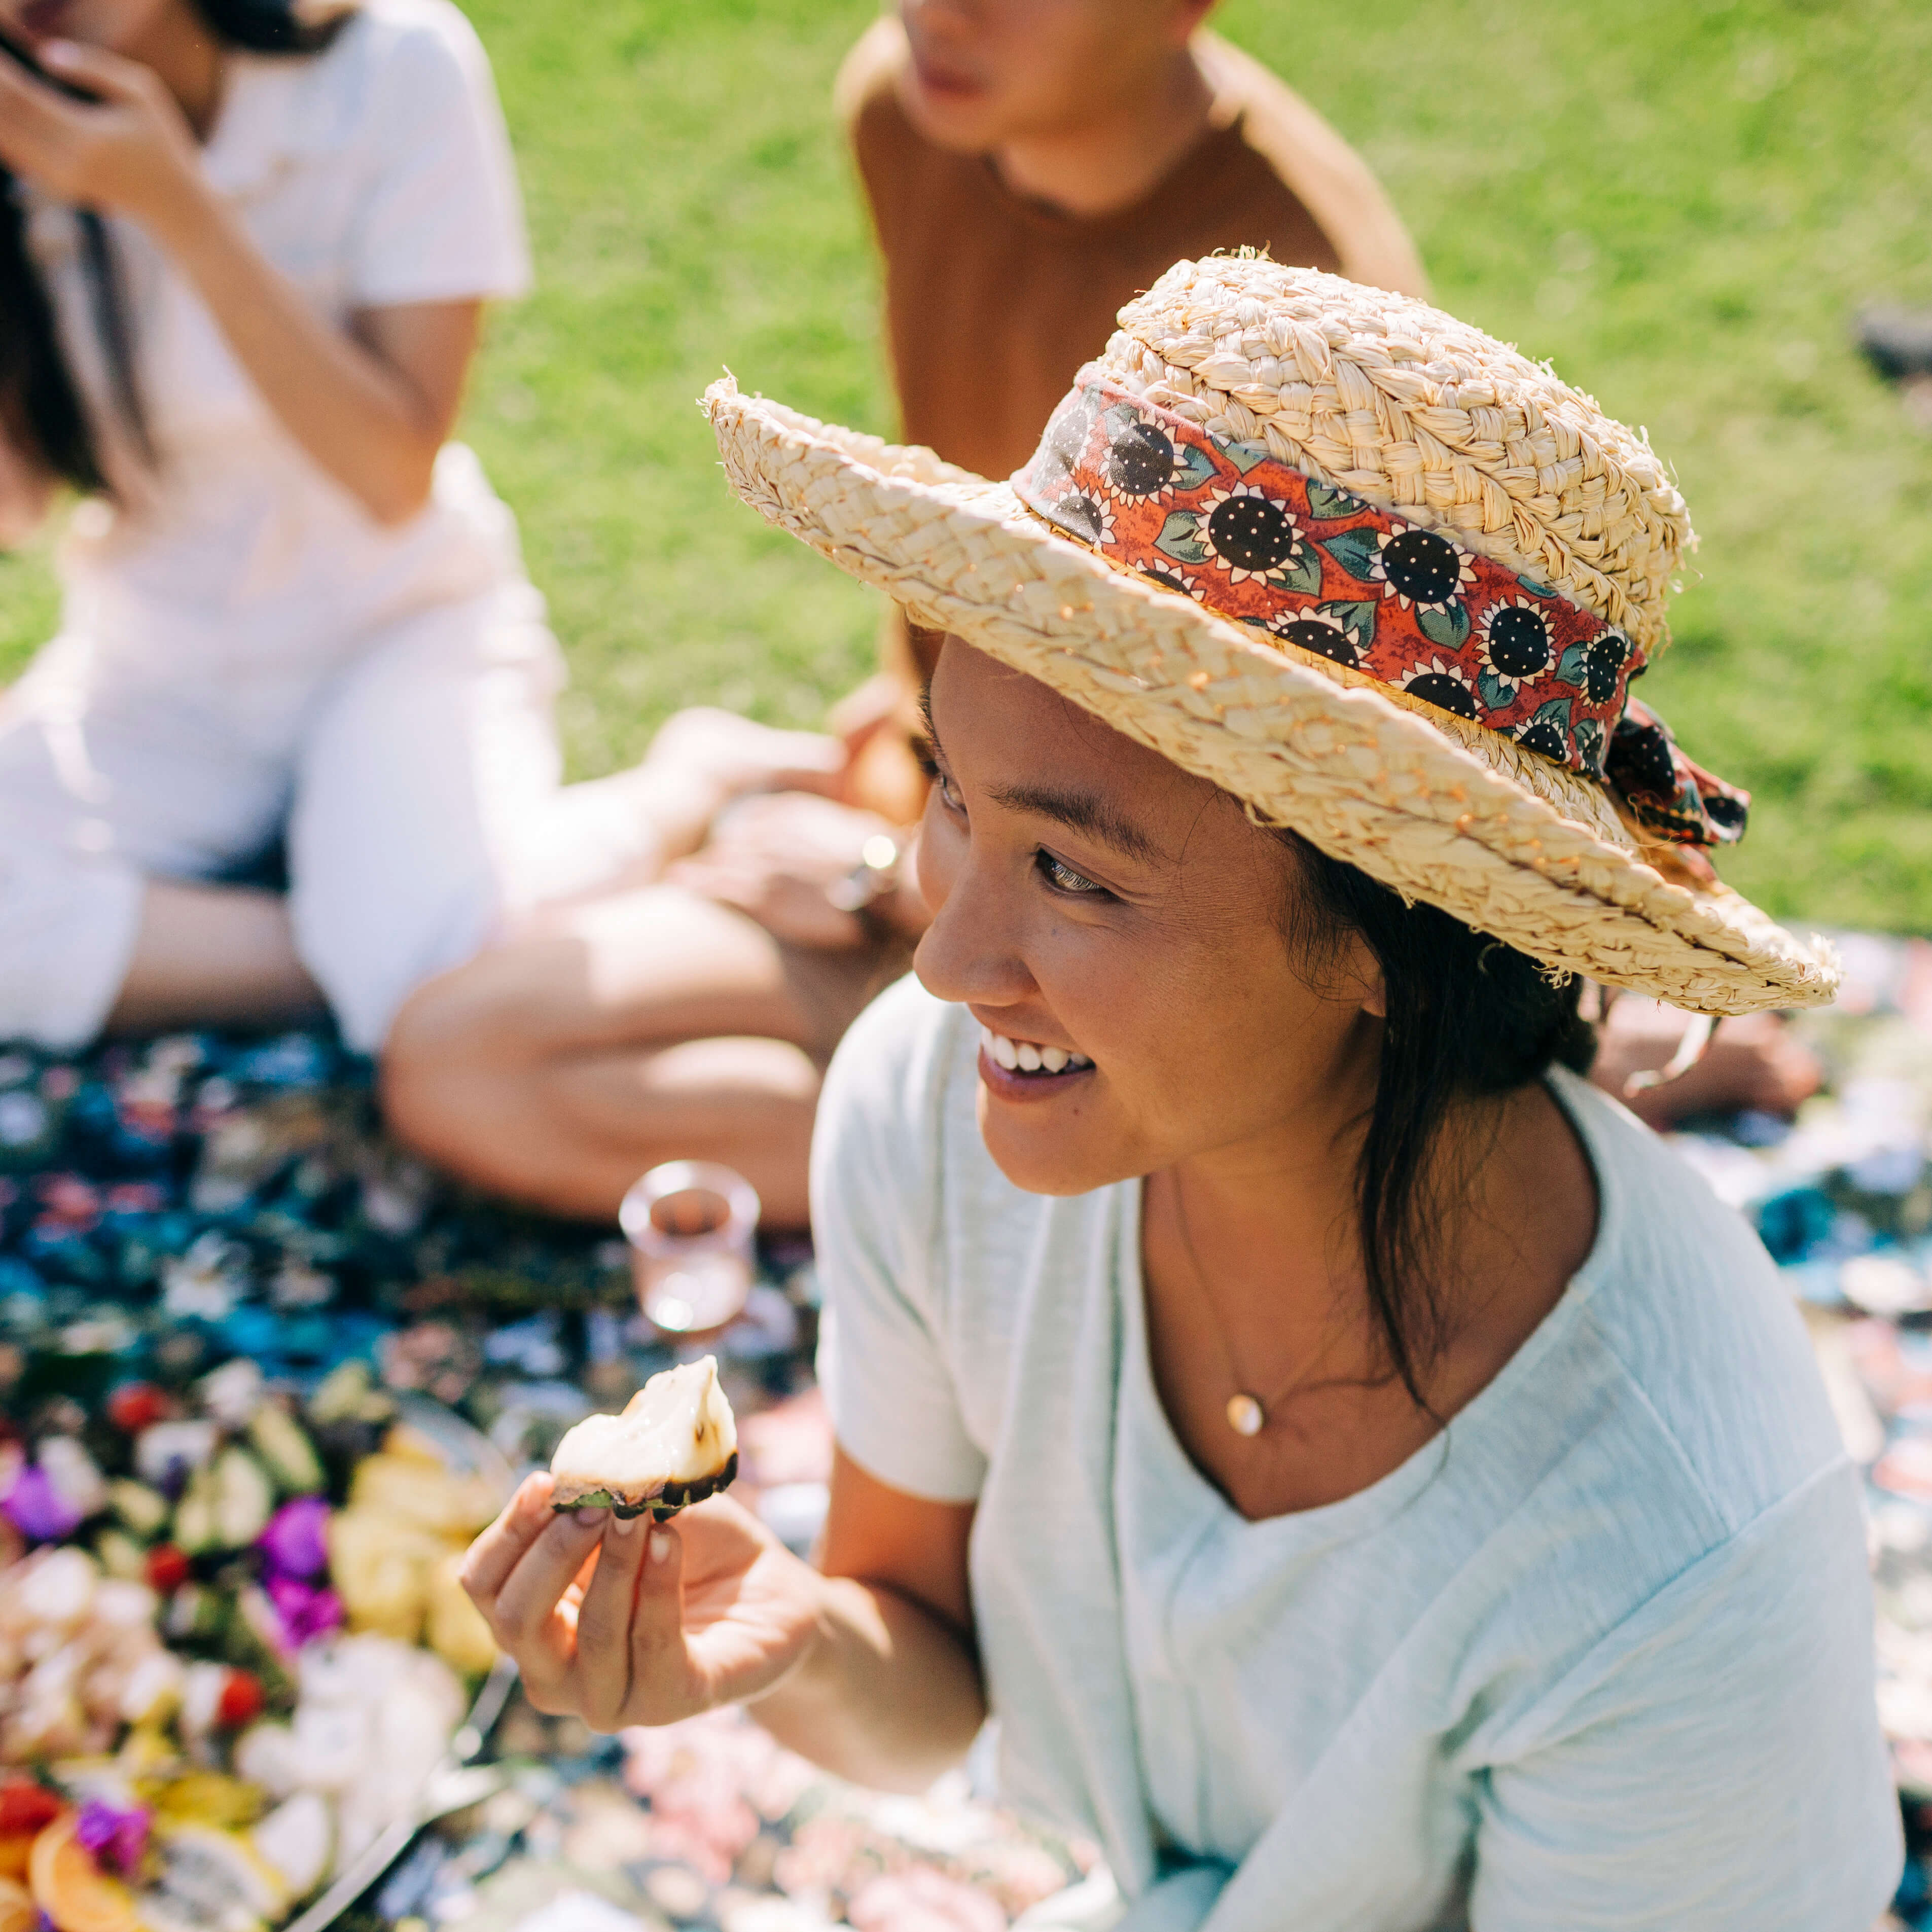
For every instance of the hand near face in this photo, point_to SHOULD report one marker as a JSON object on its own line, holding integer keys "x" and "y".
{"x": 777, "y": 857}
{"x": 623, "y": 1622}
{"x": 128, "y": 150}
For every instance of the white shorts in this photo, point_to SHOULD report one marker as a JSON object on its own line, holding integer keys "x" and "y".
{"x": 413, "y": 784}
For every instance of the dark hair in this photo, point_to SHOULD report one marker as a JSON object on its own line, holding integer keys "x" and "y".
{"x": 1468, "y": 1018}
{"x": 42, "y": 413}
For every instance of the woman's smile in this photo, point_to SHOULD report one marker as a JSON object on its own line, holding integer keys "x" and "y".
{"x": 1026, "y": 1070}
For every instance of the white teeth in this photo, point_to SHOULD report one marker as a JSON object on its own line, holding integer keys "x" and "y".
{"x": 1022, "y": 1056}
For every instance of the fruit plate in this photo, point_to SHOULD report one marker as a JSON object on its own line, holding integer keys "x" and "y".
{"x": 237, "y": 1669}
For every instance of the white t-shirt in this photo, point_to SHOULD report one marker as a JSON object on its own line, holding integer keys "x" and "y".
{"x": 375, "y": 173}
{"x": 1600, "y": 1656}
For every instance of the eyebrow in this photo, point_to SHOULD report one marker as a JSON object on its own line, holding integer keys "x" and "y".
{"x": 1078, "y": 810}
{"x": 1081, "y": 811}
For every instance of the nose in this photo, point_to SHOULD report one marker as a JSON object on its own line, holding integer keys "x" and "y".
{"x": 972, "y": 951}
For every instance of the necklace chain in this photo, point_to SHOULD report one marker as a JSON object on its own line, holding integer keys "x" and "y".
{"x": 1246, "y": 1413}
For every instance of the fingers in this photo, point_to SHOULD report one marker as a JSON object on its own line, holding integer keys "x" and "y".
{"x": 526, "y": 1607}
{"x": 101, "y": 73}
{"x": 604, "y": 1623}
{"x": 660, "y": 1671}
{"x": 32, "y": 118}
{"x": 495, "y": 1553}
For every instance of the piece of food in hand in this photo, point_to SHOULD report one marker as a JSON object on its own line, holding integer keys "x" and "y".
{"x": 675, "y": 1443}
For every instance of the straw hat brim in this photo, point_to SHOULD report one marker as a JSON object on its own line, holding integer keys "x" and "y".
{"x": 1443, "y": 811}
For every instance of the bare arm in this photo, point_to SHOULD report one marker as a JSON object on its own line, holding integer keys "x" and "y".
{"x": 26, "y": 495}
{"x": 865, "y": 1666}
{"x": 372, "y": 406}
{"x": 889, "y": 1695}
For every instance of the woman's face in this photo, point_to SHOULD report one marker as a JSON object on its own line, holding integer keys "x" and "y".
{"x": 1091, "y": 900}
{"x": 120, "y": 26}
{"x": 985, "y": 72}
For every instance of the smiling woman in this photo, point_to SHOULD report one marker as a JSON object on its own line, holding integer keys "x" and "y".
{"x": 1371, "y": 1482}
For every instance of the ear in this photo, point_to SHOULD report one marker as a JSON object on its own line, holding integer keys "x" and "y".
{"x": 1365, "y": 978}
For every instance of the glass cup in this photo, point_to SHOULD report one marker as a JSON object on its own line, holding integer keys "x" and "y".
{"x": 690, "y": 1224}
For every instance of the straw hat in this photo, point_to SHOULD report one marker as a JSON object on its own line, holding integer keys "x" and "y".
{"x": 1378, "y": 576}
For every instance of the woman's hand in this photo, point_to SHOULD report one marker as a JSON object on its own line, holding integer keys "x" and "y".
{"x": 373, "y": 405}
{"x": 622, "y": 1622}
{"x": 26, "y": 495}
{"x": 130, "y": 150}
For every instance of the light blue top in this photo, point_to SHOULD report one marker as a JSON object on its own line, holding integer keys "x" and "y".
{"x": 1599, "y": 1656}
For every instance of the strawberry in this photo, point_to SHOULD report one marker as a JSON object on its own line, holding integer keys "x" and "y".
{"x": 167, "y": 1569}
{"x": 133, "y": 1405}
{"x": 242, "y": 1700}
{"x": 26, "y": 1806}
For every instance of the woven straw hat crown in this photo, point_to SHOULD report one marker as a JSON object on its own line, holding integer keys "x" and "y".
{"x": 1378, "y": 394}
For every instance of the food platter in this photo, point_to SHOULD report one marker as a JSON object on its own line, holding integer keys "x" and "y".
{"x": 237, "y": 1670}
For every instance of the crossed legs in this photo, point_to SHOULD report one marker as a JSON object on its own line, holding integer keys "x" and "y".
{"x": 603, "y": 1037}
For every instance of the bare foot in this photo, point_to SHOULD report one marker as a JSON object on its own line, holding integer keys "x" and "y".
{"x": 1754, "y": 1063}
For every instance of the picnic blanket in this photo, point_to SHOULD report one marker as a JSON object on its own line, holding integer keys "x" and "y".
{"x": 168, "y": 1204}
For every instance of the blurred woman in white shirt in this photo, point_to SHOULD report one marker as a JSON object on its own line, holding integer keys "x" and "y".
{"x": 245, "y": 248}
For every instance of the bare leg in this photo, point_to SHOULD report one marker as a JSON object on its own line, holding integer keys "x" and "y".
{"x": 212, "y": 956}
{"x": 606, "y": 1036}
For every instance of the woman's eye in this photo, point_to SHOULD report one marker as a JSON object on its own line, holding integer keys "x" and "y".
{"x": 1063, "y": 878}
{"x": 949, "y": 794}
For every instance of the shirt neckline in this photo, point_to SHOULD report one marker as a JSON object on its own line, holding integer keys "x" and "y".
{"x": 1353, "y": 1516}
{"x": 270, "y": 116}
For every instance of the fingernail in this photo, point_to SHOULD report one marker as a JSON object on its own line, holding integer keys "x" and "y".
{"x": 590, "y": 1518}
{"x": 58, "y": 52}
{"x": 660, "y": 1546}
{"x": 625, "y": 1525}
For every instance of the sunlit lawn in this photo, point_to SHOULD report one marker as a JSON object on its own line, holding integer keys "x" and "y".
{"x": 1681, "y": 204}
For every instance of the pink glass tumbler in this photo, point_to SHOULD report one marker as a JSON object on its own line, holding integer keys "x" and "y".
{"x": 690, "y": 1225}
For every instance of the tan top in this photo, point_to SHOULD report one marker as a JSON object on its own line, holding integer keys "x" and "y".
{"x": 994, "y": 301}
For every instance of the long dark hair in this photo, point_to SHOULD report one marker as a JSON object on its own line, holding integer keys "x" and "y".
{"x": 1469, "y": 1019}
{"x": 42, "y": 414}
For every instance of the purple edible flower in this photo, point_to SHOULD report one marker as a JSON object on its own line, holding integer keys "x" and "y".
{"x": 296, "y": 1542}
{"x": 307, "y": 1612}
{"x": 118, "y": 1837}
{"x": 37, "y": 1509}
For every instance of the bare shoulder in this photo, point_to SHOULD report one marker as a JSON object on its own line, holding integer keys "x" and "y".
{"x": 870, "y": 72}
{"x": 1330, "y": 180}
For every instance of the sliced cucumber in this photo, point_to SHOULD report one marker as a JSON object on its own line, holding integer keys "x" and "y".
{"x": 284, "y": 1445}
{"x": 244, "y": 1498}
{"x": 144, "y": 1510}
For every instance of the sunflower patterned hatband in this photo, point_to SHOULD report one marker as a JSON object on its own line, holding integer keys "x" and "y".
{"x": 1253, "y": 539}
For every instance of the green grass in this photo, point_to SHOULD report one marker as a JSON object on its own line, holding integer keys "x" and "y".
{"x": 1680, "y": 203}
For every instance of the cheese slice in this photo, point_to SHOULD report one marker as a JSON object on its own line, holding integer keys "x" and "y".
{"x": 675, "y": 1443}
